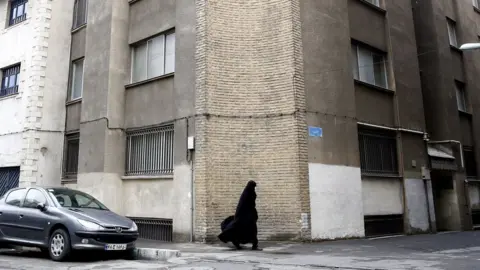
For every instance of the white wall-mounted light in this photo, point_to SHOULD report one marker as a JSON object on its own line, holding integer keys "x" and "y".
{"x": 470, "y": 46}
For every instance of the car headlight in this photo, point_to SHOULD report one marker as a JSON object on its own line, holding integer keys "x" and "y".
{"x": 134, "y": 227}
{"x": 90, "y": 226}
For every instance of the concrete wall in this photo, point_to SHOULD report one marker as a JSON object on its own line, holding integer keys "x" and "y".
{"x": 382, "y": 196}
{"x": 416, "y": 206}
{"x": 42, "y": 45}
{"x": 17, "y": 41}
{"x": 333, "y": 158}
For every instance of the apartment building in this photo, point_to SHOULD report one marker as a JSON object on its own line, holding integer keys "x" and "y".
{"x": 450, "y": 88}
{"x": 332, "y": 107}
{"x": 34, "y": 50}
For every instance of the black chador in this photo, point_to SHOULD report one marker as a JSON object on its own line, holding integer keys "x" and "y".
{"x": 242, "y": 228}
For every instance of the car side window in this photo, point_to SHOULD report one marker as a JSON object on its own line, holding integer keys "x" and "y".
{"x": 34, "y": 197}
{"x": 15, "y": 197}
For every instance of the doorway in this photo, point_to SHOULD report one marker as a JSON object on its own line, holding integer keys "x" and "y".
{"x": 445, "y": 201}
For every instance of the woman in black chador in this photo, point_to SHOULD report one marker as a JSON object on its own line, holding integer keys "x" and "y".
{"x": 242, "y": 228}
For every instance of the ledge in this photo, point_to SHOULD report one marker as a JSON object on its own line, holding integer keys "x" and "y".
{"x": 476, "y": 9}
{"x": 78, "y": 100}
{"x": 128, "y": 86}
{"x": 467, "y": 114}
{"x": 69, "y": 180}
{"x": 374, "y": 7}
{"x": 371, "y": 86}
{"x": 132, "y": 1}
{"x": 79, "y": 28}
{"x": 8, "y": 27}
{"x": 148, "y": 177}
{"x": 8, "y": 96}
{"x": 456, "y": 49}
{"x": 377, "y": 175}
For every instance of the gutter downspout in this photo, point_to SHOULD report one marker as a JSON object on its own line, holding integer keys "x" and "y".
{"x": 192, "y": 192}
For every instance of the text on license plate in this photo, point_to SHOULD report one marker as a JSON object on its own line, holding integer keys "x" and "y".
{"x": 115, "y": 247}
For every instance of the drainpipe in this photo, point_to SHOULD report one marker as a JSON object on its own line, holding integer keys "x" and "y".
{"x": 192, "y": 189}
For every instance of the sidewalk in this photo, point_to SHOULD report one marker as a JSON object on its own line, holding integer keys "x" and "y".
{"x": 458, "y": 250}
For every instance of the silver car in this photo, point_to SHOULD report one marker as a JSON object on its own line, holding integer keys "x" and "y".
{"x": 59, "y": 220}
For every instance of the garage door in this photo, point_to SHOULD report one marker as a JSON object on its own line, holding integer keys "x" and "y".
{"x": 9, "y": 178}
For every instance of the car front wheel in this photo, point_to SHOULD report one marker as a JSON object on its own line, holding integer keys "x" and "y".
{"x": 59, "y": 246}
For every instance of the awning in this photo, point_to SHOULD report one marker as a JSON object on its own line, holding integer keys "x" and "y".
{"x": 439, "y": 151}
{"x": 441, "y": 157}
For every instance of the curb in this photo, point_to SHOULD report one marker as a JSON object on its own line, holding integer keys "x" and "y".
{"x": 153, "y": 254}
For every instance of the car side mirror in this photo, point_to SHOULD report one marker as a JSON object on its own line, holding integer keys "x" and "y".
{"x": 41, "y": 206}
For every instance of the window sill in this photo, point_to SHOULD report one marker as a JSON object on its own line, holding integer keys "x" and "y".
{"x": 78, "y": 100}
{"x": 476, "y": 9}
{"x": 379, "y": 175}
{"x": 468, "y": 114}
{"x": 17, "y": 24}
{"x": 69, "y": 179}
{"x": 128, "y": 86}
{"x": 372, "y": 86}
{"x": 74, "y": 30}
{"x": 132, "y": 1}
{"x": 148, "y": 177}
{"x": 376, "y": 8}
{"x": 8, "y": 96}
{"x": 455, "y": 48}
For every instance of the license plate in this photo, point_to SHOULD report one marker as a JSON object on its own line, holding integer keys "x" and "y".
{"x": 115, "y": 247}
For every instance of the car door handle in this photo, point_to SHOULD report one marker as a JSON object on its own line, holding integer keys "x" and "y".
{"x": 21, "y": 216}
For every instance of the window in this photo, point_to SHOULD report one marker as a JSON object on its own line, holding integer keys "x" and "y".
{"x": 452, "y": 33}
{"x": 34, "y": 198}
{"x": 18, "y": 11}
{"x": 10, "y": 79}
{"x": 374, "y": 2}
{"x": 75, "y": 199}
{"x": 460, "y": 93}
{"x": 71, "y": 155}
{"x": 369, "y": 66}
{"x": 470, "y": 162}
{"x": 378, "y": 152}
{"x": 15, "y": 197}
{"x": 79, "y": 13}
{"x": 150, "y": 151}
{"x": 77, "y": 79}
{"x": 153, "y": 58}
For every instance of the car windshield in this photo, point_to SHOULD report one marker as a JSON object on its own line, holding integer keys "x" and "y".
{"x": 71, "y": 198}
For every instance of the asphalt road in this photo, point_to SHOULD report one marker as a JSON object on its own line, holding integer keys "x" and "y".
{"x": 454, "y": 251}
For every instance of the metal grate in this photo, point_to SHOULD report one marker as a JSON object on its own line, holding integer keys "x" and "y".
{"x": 154, "y": 228}
{"x": 150, "y": 151}
{"x": 382, "y": 225}
{"x": 378, "y": 153}
{"x": 71, "y": 155}
{"x": 9, "y": 178}
{"x": 18, "y": 11}
{"x": 10, "y": 81}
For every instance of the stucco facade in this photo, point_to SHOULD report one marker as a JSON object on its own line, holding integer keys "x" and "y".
{"x": 33, "y": 115}
{"x": 167, "y": 108}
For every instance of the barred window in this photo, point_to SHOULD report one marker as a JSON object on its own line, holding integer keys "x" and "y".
{"x": 470, "y": 162}
{"x": 72, "y": 146}
{"x": 378, "y": 152}
{"x": 150, "y": 151}
{"x": 18, "y": 11}
{"x": 10, "y": 81}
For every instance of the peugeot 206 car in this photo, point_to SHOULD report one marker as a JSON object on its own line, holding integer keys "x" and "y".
{"x": 60, "y": 220}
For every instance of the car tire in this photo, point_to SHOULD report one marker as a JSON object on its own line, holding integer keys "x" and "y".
{"x": 59, "y": 247}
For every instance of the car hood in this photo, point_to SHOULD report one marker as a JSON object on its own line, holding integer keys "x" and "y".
{"x": 104, "y": 218}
